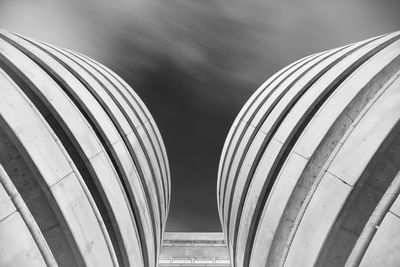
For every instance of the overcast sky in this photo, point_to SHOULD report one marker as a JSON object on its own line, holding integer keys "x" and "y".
{"x": 195, "y": 63}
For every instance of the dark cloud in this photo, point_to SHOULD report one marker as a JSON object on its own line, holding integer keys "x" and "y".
{"x": 195, "y": 62}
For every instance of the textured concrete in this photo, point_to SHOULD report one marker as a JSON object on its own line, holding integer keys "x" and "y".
{"x": 194, "y": 249}
{"x": 85, "y": 156}
{"x": 21, "y": 241}
{"x": 310, "y": 157}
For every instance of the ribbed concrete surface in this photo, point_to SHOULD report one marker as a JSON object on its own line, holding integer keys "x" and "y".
{"x": 84, "y": 156}
{"x": 308, "y": 173}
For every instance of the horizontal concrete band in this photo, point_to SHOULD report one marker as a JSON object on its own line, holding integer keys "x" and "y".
{"x": 85, "y": 155}
{"x": 194, "y": 249}
{"x": 310, "y": 157}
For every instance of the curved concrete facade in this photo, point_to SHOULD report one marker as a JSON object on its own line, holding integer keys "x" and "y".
{"x": 309, "y": 173}
{"x": 84, "y": 177}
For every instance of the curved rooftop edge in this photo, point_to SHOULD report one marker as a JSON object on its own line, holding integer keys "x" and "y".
{"x": 309, "y": 173}
{"x": 84, "y": 175}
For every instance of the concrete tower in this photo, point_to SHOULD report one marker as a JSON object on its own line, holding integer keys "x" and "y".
{"x": 309, "y": 173}
{"x": 84, "y": 176}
